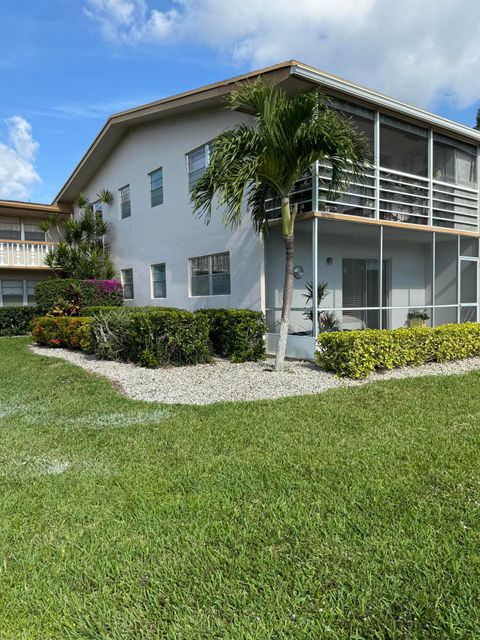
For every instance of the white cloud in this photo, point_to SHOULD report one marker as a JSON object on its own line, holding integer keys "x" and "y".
{"x": 130, "y": 21}
{"x": 415, "y": 50}
{"x": 17, "y": 157}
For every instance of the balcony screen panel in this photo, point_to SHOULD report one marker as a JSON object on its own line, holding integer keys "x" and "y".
{"x": 403, "y": 147}
{"x": 360, "y": 118}
{"x": 403, "y": 199}
{"x": 357, "y": 198}
{"x": 468, "y": 314}
{"x": 454, "y": 161}
{"x": 301, "y": 196}
{"x": 469, "y": 247}
{"x": 446, "y": 267}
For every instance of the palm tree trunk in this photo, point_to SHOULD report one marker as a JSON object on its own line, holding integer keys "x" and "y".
{"x": 287, "y": 302}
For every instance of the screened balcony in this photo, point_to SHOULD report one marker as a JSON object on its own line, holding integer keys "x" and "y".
{"x": 417, "y": 177}
{"x": 370, "y": 276}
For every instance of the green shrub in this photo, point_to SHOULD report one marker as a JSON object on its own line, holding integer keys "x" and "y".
{"x": 355, "y": 354}
{"x": 15, "y": 321}
{"x": 237, "y": 334}
{"x": 151, "y": 336}
{"x": 62, "y": 331}
{"x": 87, "y": 312}
{"x": 48, "y": 293}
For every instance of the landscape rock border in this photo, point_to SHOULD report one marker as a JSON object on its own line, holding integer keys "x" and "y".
{"x": 224, "y": 381}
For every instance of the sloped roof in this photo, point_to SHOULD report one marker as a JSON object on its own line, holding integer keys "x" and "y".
{"x": 292, "y": 75}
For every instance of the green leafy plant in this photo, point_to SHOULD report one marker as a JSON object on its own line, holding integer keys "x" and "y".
{"x": 68, "y": 332}
{"x": 328, "y": 321}
{"x": 70, "y": 303}
{"x": 356, "y": 354}
{"x": 83, "y": 251}
{"x": 151, "y": 336}
{"x": 322, "y": 292}
{"x": 418, "y": 314}
{"x": 57, "y": 293}
{"x": 265, "y": 159}
{"x": 236, "y": 334}
{"x": 15, "y": 321}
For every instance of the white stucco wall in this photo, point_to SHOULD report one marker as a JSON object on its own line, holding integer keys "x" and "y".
{"x": 168, "y": 232}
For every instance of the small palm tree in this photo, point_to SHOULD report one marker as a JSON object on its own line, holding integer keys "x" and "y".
{"x": 265, "y": 161}
{"x": 83, "y": 251}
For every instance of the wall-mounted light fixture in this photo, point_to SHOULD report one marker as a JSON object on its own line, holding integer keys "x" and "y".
{"x": 298, "y": 271}
{"x": 329, "y": 260}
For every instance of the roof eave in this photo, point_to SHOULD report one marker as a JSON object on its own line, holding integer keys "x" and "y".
{"x": 382, "y": 101}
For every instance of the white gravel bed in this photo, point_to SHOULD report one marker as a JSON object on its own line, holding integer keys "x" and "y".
{"x": 223, "y": 381}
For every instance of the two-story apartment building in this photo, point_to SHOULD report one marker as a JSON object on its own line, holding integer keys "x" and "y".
{"x": 404, "y": 238}
{"x": 23, "y": 247}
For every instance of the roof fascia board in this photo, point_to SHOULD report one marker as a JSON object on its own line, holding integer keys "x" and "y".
{"x": 382, "y": 101}
{"x": 277, "y": 73}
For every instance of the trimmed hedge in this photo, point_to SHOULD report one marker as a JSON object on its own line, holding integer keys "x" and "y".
{"x": 237, "y": 334}
{"x": 93, "y": 292}
{"x": 87, "y": 312}
{"x": 16, "y": 321}
{"x": 72, "y": 333}
{"x": 356, "y": 354}
{"x": 151, "y": 336}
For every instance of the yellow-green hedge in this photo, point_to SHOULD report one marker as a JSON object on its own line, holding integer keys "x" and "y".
{"x": 62, "y": 331}
{"x": 355, "y": 354}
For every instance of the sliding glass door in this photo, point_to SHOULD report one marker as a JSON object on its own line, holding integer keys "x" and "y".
{"x": 360, "y": 290}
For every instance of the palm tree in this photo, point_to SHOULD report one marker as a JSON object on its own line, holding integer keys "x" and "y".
{"x": 83, "y": 251}
{"x": 477, "y": 123}
{"x": 265, "y": 161}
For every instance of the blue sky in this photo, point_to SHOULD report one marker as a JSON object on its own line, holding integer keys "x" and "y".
{"x": 65, "y": 65}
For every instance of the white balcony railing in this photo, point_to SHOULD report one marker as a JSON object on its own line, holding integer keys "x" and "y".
{"x": 24, "y": 253}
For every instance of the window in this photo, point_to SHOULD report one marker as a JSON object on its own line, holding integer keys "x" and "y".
{"x": 33, "y": 231}
{"x": 125, "y": 208}
{"x": 159, "y": 280}
{"x": 156, "y": 187}
{"x": 12, "y": 293}
{"x": 10, "y": 229}
{"x": 403, "y": 147}
{"x": 127, "y": 282}
{"x": 197, "y": 162}
{"x": 454, "y": 161}
{"x": 97, "y": 207}
{"x": 30, "y": 287}
{"x": 210, "y": 275}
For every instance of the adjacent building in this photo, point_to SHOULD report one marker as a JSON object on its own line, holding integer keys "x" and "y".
{"x": 23, "y": 247}
{"x": 403, "y": 239}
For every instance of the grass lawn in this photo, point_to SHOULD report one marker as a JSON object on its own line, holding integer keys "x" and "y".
{"x": 352, "y": 514}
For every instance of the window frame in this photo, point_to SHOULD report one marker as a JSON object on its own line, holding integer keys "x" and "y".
{"x": 205, "y": 146}
{"x": 151, "y": 191}
{"x": 153, "y": 281}
{"x": 122, "y": 276}
{"x": 122, "y": 202}
{"x": 210, "y": 275}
